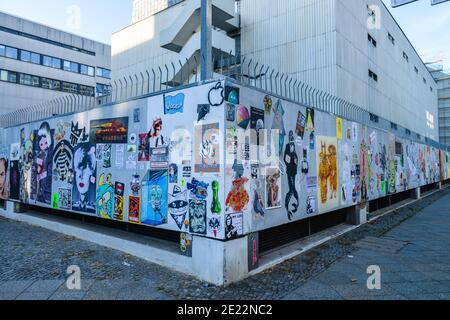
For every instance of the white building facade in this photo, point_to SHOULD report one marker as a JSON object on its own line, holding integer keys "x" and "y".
{"x": 353, "y": 49}
{"x": 443, "y": 82}
{"x": 39, "y": 63}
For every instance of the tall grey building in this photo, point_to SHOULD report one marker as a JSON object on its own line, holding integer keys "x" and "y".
{"x": 39, "y": 63}
{"x": 443, "y": 83}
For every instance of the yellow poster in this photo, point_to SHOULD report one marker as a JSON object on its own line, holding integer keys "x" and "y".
{"x": 327, "y": 174}
{"x": 339, "y": 128}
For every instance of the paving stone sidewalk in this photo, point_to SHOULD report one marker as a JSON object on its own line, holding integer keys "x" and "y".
{"x": 33, "y": 264}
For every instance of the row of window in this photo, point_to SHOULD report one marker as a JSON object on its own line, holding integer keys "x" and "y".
{"x": 45, "y": 83}
{"x": 405, "y": 56}
{"x": 52, "y": 62}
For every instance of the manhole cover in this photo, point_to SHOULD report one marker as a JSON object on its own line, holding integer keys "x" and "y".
{"x": 381, "y": 244}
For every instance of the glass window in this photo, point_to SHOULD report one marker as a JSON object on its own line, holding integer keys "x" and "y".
{"x": 66, "y": 65}
{"x": 104, "y": 73}
{"x": 35, "y": 81}
{"x": 25, "y": 79}
{"x": 51, "y": 84}
{"x": 35, "y": 58}
{"x": 83, "y": 69}
{"x": 4, "y": 75}
{"x": 56, "y": 63}
{"x": 2, "y": 50}
{"x": 87, "y": 91}
{"x": 70, "y": 87}
{"x": 25, "y": 56}
{"x": 91, "y": 71}
{"x": 103, "y": 89}
{"x": 11, "y": 52}
{"x": 12, "y": 77}
{"x": 74, "y": 67}
{"x": 47, "y": 61}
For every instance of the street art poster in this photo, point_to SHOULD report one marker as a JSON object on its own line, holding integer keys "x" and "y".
{"x": 134, "y": 208}
{"x": 257, "y": 124}
{"x": 214, "y": 226}
{"x": 65, "y": 199}
{"x": 197, "y": 216}
{"x": 253, "y": 251}
{"x": 119, "y": 201}
{"x": 238, "y": 198}
{"x": 105, "y": 197}
{"x": 339, "y": 128}
{"x": 232, "y": 94}
{"x": 179, "y": 206}
{"x": 301, "y": 125}
{"x": 26, "y": 165}
{"x": 4, "y": 178}
{"x": 278, "y": 127}
{"x": 273, "y": 188}
{"x": 292, "y": 201}
{"x": 328, "y": 174}
{"x": 120, "y": 156}
{"x": 144, "y": 148}
{"x": 310, "y": 119}
{"x": 154, "y": 197}
{"x": 15, "y": 152}
{"x": 14, "y": 180}
{"x": 173, "y": 173}
{"x": 207, "y": 148}
{"x": 234, "y": 225}
{"x": 43, "y": 164}
{"x": 186, "y": 240}
{"x": 173, "y": 104}
{"x": 311, "y": 195}
{"x": 364, "y": 174}
{"x": 63, "y": 162}
{"x": 109, "y": 131}
{"x": 84, "y": 187}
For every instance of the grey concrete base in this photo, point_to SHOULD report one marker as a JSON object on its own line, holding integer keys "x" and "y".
{"x": 416, "y": 194}
{"x": 357, "y": 215}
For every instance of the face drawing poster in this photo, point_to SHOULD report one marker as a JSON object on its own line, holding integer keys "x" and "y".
{"x": 328, "y": 177}
{"x": 4, "y": 171}
{"x": 154, "y": 198}
{"x": 207, "y": 148}
{"x": 84, "y": 185}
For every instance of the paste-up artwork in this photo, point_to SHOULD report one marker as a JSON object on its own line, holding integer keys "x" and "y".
{"x": 154, "y": 197}
{"x": 109, "y": 131}
{"x": 207, "y": 148}
{"x": 253, "y": 251}
{"x": 364, "y": 171}
{"x": 215, "y": 226}
{"x": 328, "y": 175}
{"x": 267, "y": 101}
{"x": 301, "y": 125}
{"x": 65, "y": 199}
{"x": 273, "y": 188}
{"x": 278, "y": 125}
{"x": 137, "y": 115}
{"x": 85, "y": 167}
{"x": 234, "y": 225}
{"x": 4, "y": 177}
{"x": 310, "y": 121}
{"x": 257, "y": 125}
{"x": 216, "y": 95}
{"x": 105, "y": 197}
{"x": 186, "y": 244}
{"x": 178, "y": 206}
{"x": 216, "y": 207}
{"x": 311, "y": 195}
{"x": 197, "y": 216}
{"x": 339, "y": 128}
{"x": 238, "y": 198}
{"x": 174, "y": 104}
{"x": 77, "y": 134}
{"x": 63, "y": 161}
{"x": 231, "y": 112}
{"x": 198, "y": 189}
{"x": 26, "y": 164}
{"x": 15, "y": 152}
{"x": 43, "y": 164}
{"x": 159, "y": 153}
{"x": 173, "y": 173}
{"x": 14, "y": 180}
{"x": 144, "y": 148}
{"x": 232, "y": 94}
{"x": 258, "y": 200}
{"x": 243, "y": 117}
{"x": 134, "y": 208}
{"x": 181, "y": 146}
{"x": 104, "y": 155}
{"x": 120, "y": 156}
{"x": 119, "y": 201}
{"x": 202, "y": 111}
{"x": 292, "y": 200}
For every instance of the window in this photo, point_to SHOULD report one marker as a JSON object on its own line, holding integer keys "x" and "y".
{"x": 71, "y": 66}
{"x": 51, "y": 62}
{"x": 391, "y": 38}
{"x": 70, "y": 87}
{"x": 8, "y": 76}
{"x": 407, "y": 132}
{"x": 86, "y": 91}
{"x": 51, "y": 84}
{"x": 103, "y": 89}
{"x": 394, "y": 126}
{"x": 4, "y": 75}
{"x": 405, "y": 56}
{"x": 371, "y": 40}
{"x": 2, "y": 51}
{"x": 35, "y": 58}
{"x": 29, "y": 80}
{"x": 11, "y": 53}
{"x": 87, "y": 70}
{"x": 373, "y": 75}
{"x": 104, "y": 73}
{"x": 25, "y": 56}
{"x": 374, "y": 118}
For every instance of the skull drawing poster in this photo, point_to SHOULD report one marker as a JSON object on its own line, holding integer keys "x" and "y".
{"x": 328, "y": 176}
{"x": 207, "y": 148}
{"x": 154, "y": 197}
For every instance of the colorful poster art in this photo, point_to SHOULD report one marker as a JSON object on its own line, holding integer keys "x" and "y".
{"x": 43, "y": 164}
{"x": 144, "y": 148}
{"x": 234, "y": 225}
{"x": 4, "y": 177}
{"x": 178, "y": 206}
{"x": 134, "y": 208}
{"x": 339, "y": 128}
{"x": 14, "y": 180}
{"x": 186, "y": 244}
{"x": 207, "y": 148}
{"x": 109, "y": 131}
{"x": 15, "y": 152}
{"x": 328, "y": 175}
{"x": 26, "y": 165}
{"x": 238, "y": 198}
{"x": 364, "y": 174}
{"x": 310, "y": 121}
{"x": 119, "y": 201}
{"x": 154, "y": 197}
{"x": 174, "y": 104}
{"x": 85, "y": 169}
{"x": 64, "y": 199}
{"x": 256, "y": 126}
{"x": 63, "y": 162}
{"x": 301, "y": 125}
{"x": 173, "y": 173}
{"x": 273, "y": 188}
{"x": 197, "y": 216}
{"x": 105, "y": 197}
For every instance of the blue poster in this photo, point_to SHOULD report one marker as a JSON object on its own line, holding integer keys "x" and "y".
{"x": 174, "y": 104}
{"x": 154, "y": 198}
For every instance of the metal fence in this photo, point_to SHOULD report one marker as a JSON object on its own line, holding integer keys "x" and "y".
{"x": 245, "y": 71}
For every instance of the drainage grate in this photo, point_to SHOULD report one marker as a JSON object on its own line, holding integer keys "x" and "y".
{"x": 381, "y": 244}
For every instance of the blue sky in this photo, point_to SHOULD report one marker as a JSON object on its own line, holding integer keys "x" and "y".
{"x": 427, "y": 27}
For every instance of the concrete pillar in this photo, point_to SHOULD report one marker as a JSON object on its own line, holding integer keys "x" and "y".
{"x": 440, "y": 185}
{"x": 18, "y": 207}
{"x": 416, "y": 194}
{"x": 357, "y": 215}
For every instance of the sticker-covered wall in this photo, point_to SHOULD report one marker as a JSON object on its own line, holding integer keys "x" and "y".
{"x": 286, "y": 162}
{"x": 155, "y": 161}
